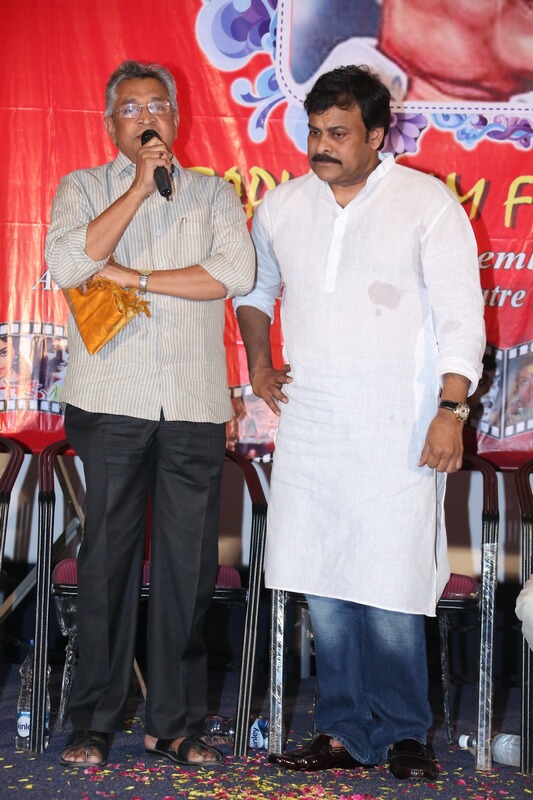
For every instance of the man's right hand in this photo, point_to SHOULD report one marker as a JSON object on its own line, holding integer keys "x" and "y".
{"x": 151, "y": 155}
{"x": 267, "y": 383}
{"x": 105, "y": 231}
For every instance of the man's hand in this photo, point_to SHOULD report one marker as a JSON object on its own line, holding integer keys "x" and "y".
{"x": 124, "y": 276}
{"x": 443, "y": 448}
{"x": 267, "y": 383}
{"x": 151, "y": 155}
{"x": 105, "y": 231}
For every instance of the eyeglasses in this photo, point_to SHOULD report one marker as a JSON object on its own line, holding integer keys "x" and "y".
{"x": 132, "y": 110}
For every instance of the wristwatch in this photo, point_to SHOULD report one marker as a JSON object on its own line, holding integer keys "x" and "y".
{"x": 143, "y": 280}
{"x": 461, "y": 410}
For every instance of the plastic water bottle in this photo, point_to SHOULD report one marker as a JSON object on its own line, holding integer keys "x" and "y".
{"x": 22, "y": 740}
{"x": 219, "y": 727}
{"x": 505, "y": 747}
{"x": 259, "y": 734}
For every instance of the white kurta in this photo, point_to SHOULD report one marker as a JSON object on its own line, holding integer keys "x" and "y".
{"x": 380, "y": 300}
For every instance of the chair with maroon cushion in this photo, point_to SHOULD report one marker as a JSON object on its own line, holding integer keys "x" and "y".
{"x": 229, "y": 590}
{"x": 461, "y": 594}
{"x": 65, "y": 591}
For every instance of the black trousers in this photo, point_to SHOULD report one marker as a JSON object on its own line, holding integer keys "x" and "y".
{"x": 181, "y": 462}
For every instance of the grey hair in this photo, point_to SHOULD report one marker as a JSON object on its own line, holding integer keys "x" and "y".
{"x": 134, "y": 69}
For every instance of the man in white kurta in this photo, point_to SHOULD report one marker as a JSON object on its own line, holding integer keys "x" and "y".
{"x": 382, "y": 319}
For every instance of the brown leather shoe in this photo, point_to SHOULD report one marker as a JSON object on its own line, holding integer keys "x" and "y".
{"x": 410, "y": 760}
{"x": 317, "y": 755}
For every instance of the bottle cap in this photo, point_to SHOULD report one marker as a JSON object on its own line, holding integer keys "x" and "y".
{"x": 463, "y": 741}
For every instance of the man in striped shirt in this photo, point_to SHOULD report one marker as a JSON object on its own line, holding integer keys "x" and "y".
{"x": 147, "y": 414}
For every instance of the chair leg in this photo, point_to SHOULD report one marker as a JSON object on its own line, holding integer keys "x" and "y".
{"x": 445, "y": 674}
{"x": 244, "y": 700}
{"x": 66, "y": 617}
{"x": 488, "y": 595}
{"x": 275, "y": 728}
{"x": 66, "y": 684}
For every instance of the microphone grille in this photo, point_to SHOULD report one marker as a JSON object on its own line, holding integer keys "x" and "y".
{"x": 147, "y": 135}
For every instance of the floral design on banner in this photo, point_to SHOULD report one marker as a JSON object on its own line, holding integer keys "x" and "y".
{"x": 404, "y": 133}
{"x": 470, "y": 128}
{"x": 232, "y": 32}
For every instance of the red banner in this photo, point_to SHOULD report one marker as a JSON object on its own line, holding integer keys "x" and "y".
{"x": 242, "y": 68}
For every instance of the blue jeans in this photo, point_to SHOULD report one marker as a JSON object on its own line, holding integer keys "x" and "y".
{"x": 372, "y": 676}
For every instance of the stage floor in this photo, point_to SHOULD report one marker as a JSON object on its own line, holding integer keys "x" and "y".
{"x": 132, "y": 774}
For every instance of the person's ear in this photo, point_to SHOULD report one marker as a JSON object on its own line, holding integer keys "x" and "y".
{"x": 375, "y": 137}
{"x": 109, "y": 125}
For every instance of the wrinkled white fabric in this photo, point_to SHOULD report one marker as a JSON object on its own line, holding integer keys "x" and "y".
{"x": 380, "y": 300}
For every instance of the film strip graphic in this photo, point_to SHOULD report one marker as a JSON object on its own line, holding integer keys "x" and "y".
{"x": 519, "y": 416}
{"x": 506, "y": 412}
{"x": 33, "y": 359}
{"x": 257, "y": 447}
{"x": 33, "y": 329}
{"x": 241, "y": 391}
{"x": 494, "y": 369}
{"x": 30, "y": 404}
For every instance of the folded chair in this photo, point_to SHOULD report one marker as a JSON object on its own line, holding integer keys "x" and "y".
{"x": 462, "y": 593}
{"x": 525, "y": 500}
{"x": 228, "y": 590}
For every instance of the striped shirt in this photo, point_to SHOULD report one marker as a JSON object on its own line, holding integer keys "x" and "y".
{"x": 175, "y": 360}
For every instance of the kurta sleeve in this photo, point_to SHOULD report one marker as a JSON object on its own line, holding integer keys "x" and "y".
{"x": 451, "y": 274}
{"x": 268, "y": 279}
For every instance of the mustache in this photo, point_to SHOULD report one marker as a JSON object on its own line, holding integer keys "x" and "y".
{"x": 322, "y": 158}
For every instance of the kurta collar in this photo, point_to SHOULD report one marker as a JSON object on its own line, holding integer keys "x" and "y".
{"x": 383, "y": 168}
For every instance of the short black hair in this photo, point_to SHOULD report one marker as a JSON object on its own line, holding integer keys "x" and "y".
{"x": 346, "y": 87}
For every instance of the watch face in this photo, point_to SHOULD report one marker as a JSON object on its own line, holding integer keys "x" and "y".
{"x": 459, "y": 410}
{"x": 462, "y": 411}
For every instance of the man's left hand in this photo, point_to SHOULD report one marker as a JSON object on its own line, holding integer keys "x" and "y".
{"x": 443, "y": 448}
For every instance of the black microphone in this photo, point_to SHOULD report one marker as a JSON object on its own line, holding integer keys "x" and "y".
{"x": 161, "y": 176}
